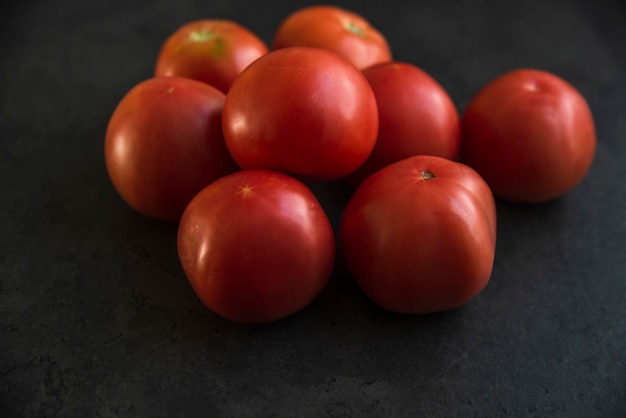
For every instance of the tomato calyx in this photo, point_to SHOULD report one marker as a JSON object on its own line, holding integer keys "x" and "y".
{"x": 217, "y": 45}
{"x": 201, "y": 35}
{"x": 427, "y": 175}
{"x": 355, "y": 29}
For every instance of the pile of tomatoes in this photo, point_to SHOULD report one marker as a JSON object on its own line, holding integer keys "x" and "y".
{"x": 225, "y": 136}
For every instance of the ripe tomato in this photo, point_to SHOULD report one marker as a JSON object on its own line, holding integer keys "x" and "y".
{"x": 419, "y": 235}
{"x": 416, "y": 116}
{"x": 256, "y": 246}
{"x": 304, "y": 111}
{"x": 530, "y": 134}
{"x": 213, "y": 51}
{"x": 164, "y": 143}
{"x": 339, "y": 30}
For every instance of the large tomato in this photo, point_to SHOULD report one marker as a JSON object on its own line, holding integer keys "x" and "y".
{"x": 419, "y": 235}
{"x": 304, "y": 111}
{"x": 164, "y": 144}
{"x": 213, "y": 51}
{"x": 256, "y": 246}
{"x": 530, "y": 134}
{"x": 416, "y": 116}
{"x": 341, "y": 31}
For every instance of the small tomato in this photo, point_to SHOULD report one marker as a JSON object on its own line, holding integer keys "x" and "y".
{"x": 256, "y": 246}
{"x": 341, "y": 31}
{"x": 164, "y": 144}
{"x": 213, "y": 51}
{"x": 304, "y": 111}
{"x": 419, "y": 235}
{"x": 416, "y": 117}
{"x": 530, "y": 134}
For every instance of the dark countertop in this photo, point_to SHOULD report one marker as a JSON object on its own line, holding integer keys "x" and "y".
{"x": 97, "y": 318}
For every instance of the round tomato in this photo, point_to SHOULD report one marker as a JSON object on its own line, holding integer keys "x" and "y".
{"x": 304, "y": 111}
{"x": 341, "y": 31}
{"x": 419, "y": 235}
{"x": 530, "y": 134}
{"x": 256, "y": 246}
{"x": 164, "y": 143}
{"x": 416, "y": 116}
{"x": 213, "y": 51}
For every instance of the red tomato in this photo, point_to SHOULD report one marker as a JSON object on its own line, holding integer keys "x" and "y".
{"x": 164, "y": 143}
{"x": 212, "y": 51}
{"x": 530, "y": 134}
{"x": 303, "y": 111}
{"x": 416, "y": 116}
{"x": 419, "y": 235}
{"x": 256, "y": 246}
{"x": 336, "y": 29}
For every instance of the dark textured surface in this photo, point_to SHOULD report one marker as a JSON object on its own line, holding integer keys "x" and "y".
{"x": 97, "y": 319}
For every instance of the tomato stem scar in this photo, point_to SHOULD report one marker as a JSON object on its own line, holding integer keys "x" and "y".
{"x": 245, "y": 190}
{"x": 427, "y": 175}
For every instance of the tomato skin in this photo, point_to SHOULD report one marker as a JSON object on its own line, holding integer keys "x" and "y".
{"x": 416, "y": 116}
{"x": 164, "y": 143}
{"x": 416, "y": 244}
{"x": 213, "y": 51}
{"x": 341, "y": 31}
{"x": 256, "y": 246}
{"x": 304, "y": 111}
{"x": 530, "y": 134}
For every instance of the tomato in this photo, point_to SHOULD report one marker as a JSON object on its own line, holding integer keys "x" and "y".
{"x": 164, "y": 144}
{"x": 213, "y": 51}
{"x": 341, "y": 31}
{"x": 304, "y": 111}
{"x": 416, "y": 116}
{"x": 530, "y": 134}
{"x": 256, "y": 246}
{"x": 419, "y": 235}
